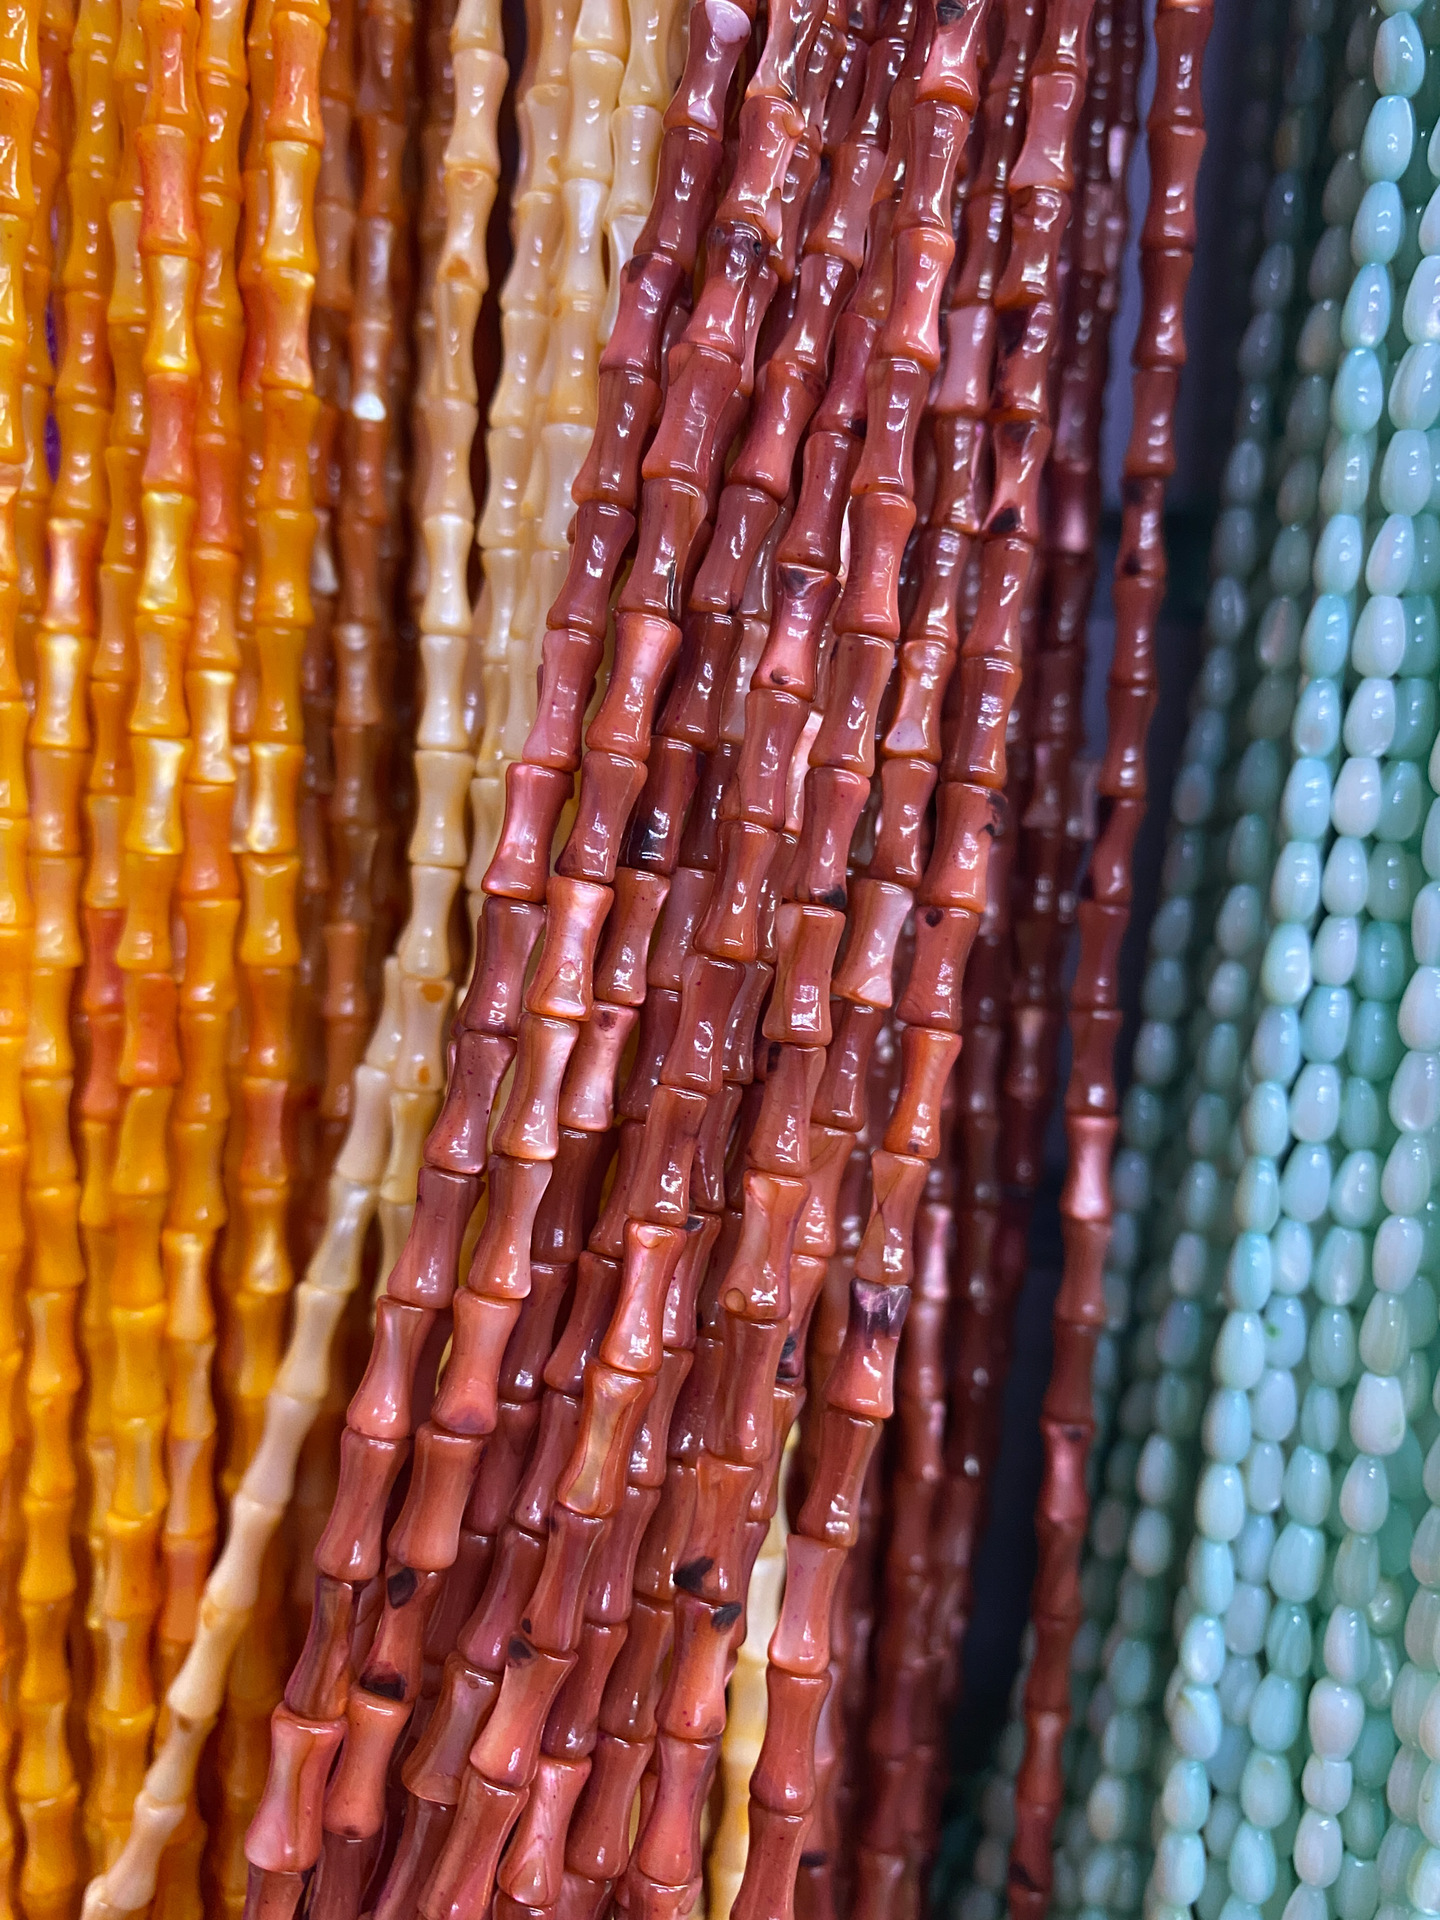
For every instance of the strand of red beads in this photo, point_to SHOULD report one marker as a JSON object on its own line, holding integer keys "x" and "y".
{"x": 1175, "y": 137}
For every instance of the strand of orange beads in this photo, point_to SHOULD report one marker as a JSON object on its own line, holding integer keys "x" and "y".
{"x": 859, "y": 1391}
{"x": 516, "y": 406}
{"x": 112, "y": 686}
{"x": 46, "y": 1789}
{"x": 167, "y": 148}
{"x": 19, "y": 106}
{"x": 318, "y": 1134}
{"x": 51, "y": 142}
{"x": 695, "y": 146}
{"x": 195, "y": 1696}
{"x": 1175, "y": 137}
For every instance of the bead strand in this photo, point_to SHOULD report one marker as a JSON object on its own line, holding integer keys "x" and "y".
{"x": 693, "y": 143}
{"x": 113, "y": 682}
{"x": 1175, "y": 137}
{"x": 414, "y": 1531}
{"x": 194, "y": 1698}
{"x": 341, "y": 1032}
{"x": 516, "y": 408}
{"x": 48, "y": 158}
{"x": 652, "y": 70}
{"x": 1149, "y": 1117}
{"x": 1297, "y": 1096}
{"x": 45, "y": 1779}
{"x": 1179, "y": 1283}
{"x": 19, "y": 93}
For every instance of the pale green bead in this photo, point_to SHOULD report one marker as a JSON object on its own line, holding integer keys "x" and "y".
{"x": 1234, "y": 544}
{"x": 1227, "y": 1425}
{"x": 1380, "y": 636}
{"x": 1391, "y": 559}
{"x": 1424, "y": 1311}
{"x": 1415, "y": 1093}
{"x": 1415, "y": 387}
{"x": 1410, "y": 1702}
{"x": 1415, "y": 719}
{"x": 1285, "y": 968}
{"x": 1365, "y": 1495}
{"x": 1314, "y": 1108}
{"x": 1305, "y": 1182}
{"x": 1425, "y": 1550}
{"x": 1253, "y": 1546}
{"x": 1275, "y": 1045}
{"x": 1297, "y": 1562}
{"x": 1385, "y": 1335}
{"x": 1357, "y": 401}
{"x": 1355, "y": 1190}
{"x": 1228, "y": 990}
{"x": 1240, "y": 921}
{"x": 1226, "y": 611}
{"x": 1421, "y": 312}
{"x": 1307, "y": 418}
{"x": 1390, "y": 882}
{"x": 1331, "y": 1347}
{"x": 1195, "y": 1724}
{"x": 1277, "y": 636}
{"x": 1157, "y": 1053}
{"x": 1185, "y": 1796}
{"x": 1243, "y": 479}
{"x": 1294, "y": 1257}
{"x": 1402, "y": 803}
{"x": 1334, "y": 952}
{"x": 1325, "y": 639}
{"x": 1318, "y": 1849}
{"x": 1261, "y": 348}
{"x": 1425, "y": 572}
{"x": 1345, "y": 479}
{"x": 1267, "y": 1791}
{"x": 1263, "y": 1470}
{"x": 1365, "y": 316}
{"x": 1357, "y": 1570}
{"x": 1319, "y": 346}
{"x": 1256, "y": 1204}
{"x": 1384, "y": 963}
{"x": 1273, "y": 1404}
{"x": 1340, "y": 201}
{"x": 1307, "y": 1486}
{"x": 1360, "y": 1113}
{"x": 1306, "y": 806}
{"x": 1345, "y": 883}
{"x": 1375, "y": 1750}
{"x": 1259, "y": 778}
{"x": 1399, "y": 1851}
{"x": 1405, "y": 1178}
{"x": 1270, "y": 707}
{"x": 1179, "y": 1334}
{"x": 1378, "y": 226}
{"x": 1248, "y": 850}
{"x": 1370, "y": 717}
{"x": 1339, "y": 551}
{"x": 1347, "y": 1644}
{"x": 1286, "y": 1329}
{"x": 1218, "y": 1062}
{"x": 1208, "y": 1127}
{"x": 1374, "y": 1046}
{"x": 1201, "y": 1651}
{"x": 1317, "y": 722}
{"x": 1430, "y": 837}
{"x": 1377, "y": 1414}
{"x": 1220, "y": 1502}
{"x": 1164, "y": 994}
{"x": 1305, "y": 1903}
{"x": 1340, "y": 1267}
{"x": 1252, "y": 1864}
{"x": 1296, "y": 500}
{"x": 1152, "y": 1543}
{"x": 1355, "y": 798}
{"x": 1275, "y": 1714}
{"x": 1325, "y": 1020}
{"x": 1407, "y": 472}
{"x": 1423, "y": 1882}
{"x": 1210, "y": 1574}
{"x": 1142, "y": 1120}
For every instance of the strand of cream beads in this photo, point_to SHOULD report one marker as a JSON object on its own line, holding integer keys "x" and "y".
{"x": 1159, "y": 1412}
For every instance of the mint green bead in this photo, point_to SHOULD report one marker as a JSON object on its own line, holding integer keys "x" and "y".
{"x": 1240, "y": 921}
{"x": 1405, "y": 1179}
{"x": 1355, "y": 798}
{"x": 1185, "y": 1796}
{"x": 1414, "y": 1103}
{"x": 1262, "y": 347}
{"x": 1275, "y": 1045}
{"x": 1416, "y": 717}
{"x": 1220, "y": 1502}
{"x": 1355, "y": 1190}
{"x": 1384, "y": 963}
{"x": 1370, "y": 717}
{"x": 1345, "y": 882}
{"x": 1208, "y": 1127}
{"x": 1210, "y": 1575}
{"x": 1390, "y": 885}
{"x": 1277, "y": 636}
{"x": 1315, "y": 1102}
{"x": 1399, "y": 63}
{"x": 1388, "y": 140}
{"x": 1331, "y": 1347}
{"x": 1285, "y": 1331}
{"x": 1306, "y": 1181}
{"x": 1378, "y": 225}
{"x": 1334, "y": 952}
{"x": 1347, "y": 1643}
{"x": 1305, "y": 1903}
{"x": 1357, "y": 401}
{"x": 1226, "y": 611}
{"x": 1375, "y": 1750}
{"x": 1252, "y": 1864}
{"x": 1402, "y": 804}
{"x": 1365, "y": 316}
{"x": 1415, "y": 387}
{"x": 1422, "y": 636}
{"x": 1256, "y": 1204}
{"x": 1318, "y": 1849}
{"x": 1380, "y": 635}
{"x": 1339, "y": 551}
{"x": 1317, "y": 722}
{"x": 1392, "y": 555}
{"x": 1285, "y": 967}
{"x": 1250, "y": 1270}
{"x": 1275, "y": 1714}
{"x": 1267, "y": 1791}
{"x": 1228, "y": 990}
{"x": 1385, "y": 1335}
{"x": 1377, "y": 1414}
{"x": 1345, "y": 480}
{"x": 1307, "y": 418}
{"x": 1364, "y": 1504}
{"x": 1273, "y": 1408}
{"x": 1341, "y": 1266}
{"x": 1248, "y": 850}
{"x": 1325, "y": 639}
{"x": 1340, "y": 202}
{"x": 1297, "y": 1563}
{"x": 1270, "y": 707}
{"x": 1226, "y": 1428}
{"x": 1263, "y": 1470}
{"x": 1356, "y": 1572}
{"x": 1319, "y": 346}
{"x": 1307, "y": 800}
{"x": 1360, "y": 1113}
{"x": 1421, "y": 312}
{"x": 1407, "y": 471}
{"x": 1325, "y": 1021}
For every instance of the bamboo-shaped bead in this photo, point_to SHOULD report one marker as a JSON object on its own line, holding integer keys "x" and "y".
{"x": 517, "y": 406}
{"x": 167, "y": 146}
{"x": 319, "y": 1130}
{"x": 60, "y": 736}
{"x": 194, "y": 1699}
{"x": 436, "y": 70}
{"x": 50, "y": 144}
{"x": 745, "y": 1722}
{"x": 859, "y": 1390}
{"x": 1176, "y": 139}
{"x": 112, "y": 687}
{"x": 652, "y": 69}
